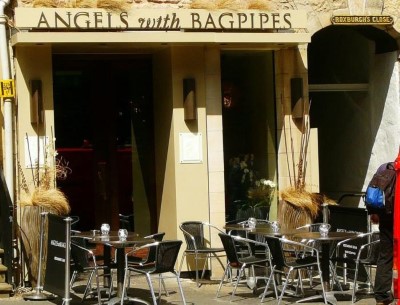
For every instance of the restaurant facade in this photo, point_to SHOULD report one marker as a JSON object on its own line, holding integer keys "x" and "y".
{"x": 152, "y": 108}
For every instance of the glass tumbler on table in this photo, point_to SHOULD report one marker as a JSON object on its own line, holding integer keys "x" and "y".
{"x": 252, "y": 222}
{"x": 123, "y": 234}
{"x": 324, "y": 229}
{"x": 105, "y": 229}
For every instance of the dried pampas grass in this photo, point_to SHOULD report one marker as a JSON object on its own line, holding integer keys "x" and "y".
{"x": 52, "y": 199}
{"x": 305, "y": 201}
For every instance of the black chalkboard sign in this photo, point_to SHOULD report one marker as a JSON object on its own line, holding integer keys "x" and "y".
{"x": 54, "y": 280}
{"x": 349, "y": 219}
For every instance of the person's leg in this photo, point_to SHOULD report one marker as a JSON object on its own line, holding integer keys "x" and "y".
{"x": 383, "y": 279}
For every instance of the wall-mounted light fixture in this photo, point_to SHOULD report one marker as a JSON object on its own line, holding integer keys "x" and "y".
{"x": 296, "y": 91}
{"x": 189, "y": 99}
{"x": 36, "y": 102}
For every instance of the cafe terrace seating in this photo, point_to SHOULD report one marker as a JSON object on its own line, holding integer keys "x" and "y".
{"x": 311, "y": 227}
{"x": 148, "y": 256}
{"x": 166, "y": 254}
{"x": 238, "y": 261}
{"x": 84, "y": 261}
{"x": 282, "y": 262}
{"x": 366, "y": 258}
{"x": 198, "y": 246}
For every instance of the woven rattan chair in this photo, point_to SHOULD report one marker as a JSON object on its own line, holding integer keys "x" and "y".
{"x": 366, "y": 257}
{"x": 282, "y": 262}
{"x": 84, "y": 261}
{"x": 239, "y": 262}
{"x": 166, "y": 253}
{"x": 198, "y": 246}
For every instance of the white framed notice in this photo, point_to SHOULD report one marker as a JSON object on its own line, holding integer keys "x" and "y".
{"x": 35, "y": 148}
{"x": 190, "y": 146}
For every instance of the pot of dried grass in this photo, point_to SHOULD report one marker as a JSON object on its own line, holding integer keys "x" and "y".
{"x": 41, "y": 200}
{"x": 299, "y": 207}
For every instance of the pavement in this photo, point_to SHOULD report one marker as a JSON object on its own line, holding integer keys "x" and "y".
{"x": 204, "y": 295}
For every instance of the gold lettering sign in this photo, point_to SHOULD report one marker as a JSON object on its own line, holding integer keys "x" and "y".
{"x": 362, "y": 20}
{"x": 154, "y": 19}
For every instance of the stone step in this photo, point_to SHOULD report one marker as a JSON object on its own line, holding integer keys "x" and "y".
{"x": 6, "y": 290}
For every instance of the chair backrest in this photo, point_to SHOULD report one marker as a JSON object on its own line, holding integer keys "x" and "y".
{"x": 312, "y": 227}
{"x": 151, "y": 256}
{"x": 166, "y": 255}
{"x": 126, "y": 222}
{"x": 230, "y": 248}
{"x": 276, "y": 250}
{"x": 74, "y": 221}
{"x": 195, "y": 229}
{"x": 156, "y": 236}
{"x": 79, "y": 253}
{"x": 373, "y": 250}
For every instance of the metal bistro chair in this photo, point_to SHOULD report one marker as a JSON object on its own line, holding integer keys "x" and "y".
{"x": 311, "y": 227}
{"x": 84, "y": 261}
{"x": 197, "y": 245}
{"x": 126, "y": 222}
{"x": 282, "y": 262}
{"x": 146, "y": 256}
{"x": 237, "y": 261}
{"x": 166, "y": 253}
{"x": 366, "y": 257}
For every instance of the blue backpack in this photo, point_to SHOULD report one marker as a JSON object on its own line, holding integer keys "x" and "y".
{"x": 379, "y": 195}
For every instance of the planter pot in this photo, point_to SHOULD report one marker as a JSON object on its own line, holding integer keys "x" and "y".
{"x": 291, "y": 217}
{"x": 30, "y": 236}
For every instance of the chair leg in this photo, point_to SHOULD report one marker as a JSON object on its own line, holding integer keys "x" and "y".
{"x": 88, "y": 285}
{"x": 222, "y": 280}
{"x": 204, "y": 267}
{"x": 73, "y": 277}
{"x": 124, "y": 288}
{"x": 271, "y": 276}
{"x": 181, "y": 263}
{"x": 284, "y": 285}
{"x": 219, "y": 260}
{"x": 322, "y": 284}
{"x": 197, "y": 269}
{"x": 237, "y": 281}
{"x": 153, "y": 296}
{"x": 164, "y": 287}
{"x": 180, "y": 289}
{"x": 353, "y": 296}
{"x": 98, "y": 286}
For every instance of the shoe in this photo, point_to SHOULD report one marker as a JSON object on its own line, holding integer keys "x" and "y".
{"x": 384, "y": 302}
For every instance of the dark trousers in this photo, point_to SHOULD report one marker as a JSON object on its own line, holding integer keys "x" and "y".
{"x": 383, "y": 279}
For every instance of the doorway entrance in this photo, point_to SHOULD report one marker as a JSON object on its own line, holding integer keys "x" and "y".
{"x": 249, "y": 127}
{"x": 104, "y": 121}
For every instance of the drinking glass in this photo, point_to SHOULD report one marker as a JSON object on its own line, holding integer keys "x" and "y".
{"x": 105, "y": 229}
{"x": 252, "y": 222}
{"x": 324, "y": 229}
{"x": 275, "y": 226}
{"x": 123, "y": 234}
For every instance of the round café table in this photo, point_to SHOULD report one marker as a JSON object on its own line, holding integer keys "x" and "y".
{"x": 261, "y": 229}
{"x": 325, "y": 250}
{"x": 112, "y": 240}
